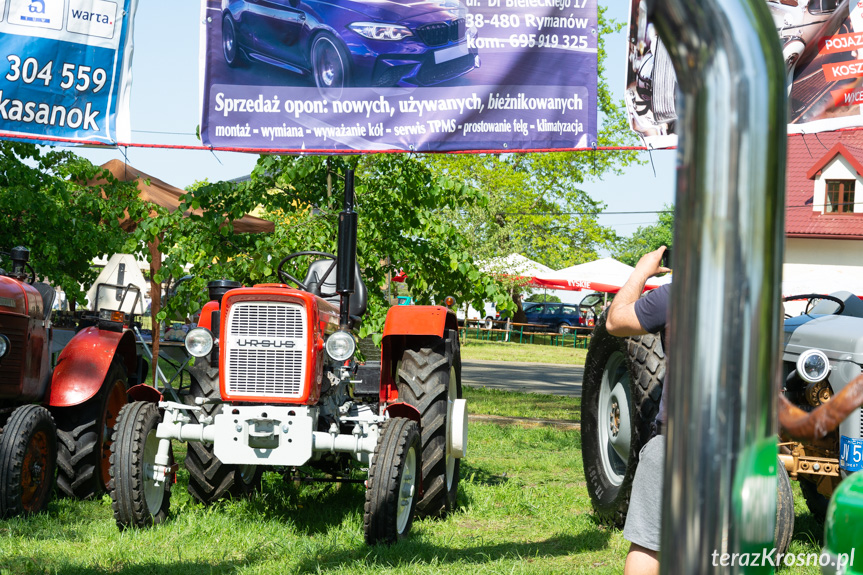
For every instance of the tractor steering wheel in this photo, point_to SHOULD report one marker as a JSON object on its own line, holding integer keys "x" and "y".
{"x": 813, "y": 298}
{"x": 286, "y": 276}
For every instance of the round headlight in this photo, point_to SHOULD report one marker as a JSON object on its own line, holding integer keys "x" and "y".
{"x": 341, "y": 345}
{"x": 813, "y": 365}
{"x": 4, "y": 345}
{"x": 199, "y": 341}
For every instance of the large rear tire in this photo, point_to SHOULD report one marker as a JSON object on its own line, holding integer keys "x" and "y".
{"x": 620, "y": 400}
{"x": 209, "y": 478}
{"x": 136, "y": 499}
{"x": 28, "y": 457}
{"x": 429, "y": 378}
{"x": 84, "y": 431}
{"x": 393, "y": 482}
{"x": 784, "y": 511}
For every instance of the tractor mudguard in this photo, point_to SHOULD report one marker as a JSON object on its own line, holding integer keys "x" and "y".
{"x": 408, "y": 323}
{"x": 145, "y": 392}
{"x": 206, "y": 319}
{"x": 84, "y": 362}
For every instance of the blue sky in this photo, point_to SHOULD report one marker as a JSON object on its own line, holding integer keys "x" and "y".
{"x": 165, "y": 110}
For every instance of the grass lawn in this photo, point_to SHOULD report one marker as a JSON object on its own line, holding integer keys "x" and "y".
{"x": 510, "y": 351}
{"x": 524, "y": 508}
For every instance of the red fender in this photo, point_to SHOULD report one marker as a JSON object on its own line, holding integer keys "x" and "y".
{"x": 84, "y": 362}
{"x": 144, "y": 392}
{"x": 405, "y": 322}
{"x": 206, "y": 319}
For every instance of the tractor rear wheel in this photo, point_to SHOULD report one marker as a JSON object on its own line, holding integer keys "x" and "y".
{"x": 620, "y": 399}
{"x": 28, "y": 456}
{"x": 84, "y": 431}
{"x": 784, "y": 511}
{"x": 393, "y": 482}
{"x": 429, "y": 378}
{"x": 209, "y": 478}
{"x": 136, "y": 498}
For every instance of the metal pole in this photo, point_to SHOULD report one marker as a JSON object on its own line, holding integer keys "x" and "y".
{"x": 720, "y": 482}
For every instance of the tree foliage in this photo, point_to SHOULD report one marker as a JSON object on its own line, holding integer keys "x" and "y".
{"x": 535, "y": 204}
{"x": 403, "y": 211}
{"x": 47, "y": 206}
{"x": 646, "y": 239}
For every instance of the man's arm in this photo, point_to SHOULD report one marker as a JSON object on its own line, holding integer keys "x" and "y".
{"x": 621, "y": 320}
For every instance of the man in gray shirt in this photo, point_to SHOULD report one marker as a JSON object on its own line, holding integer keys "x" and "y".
{"x": 631, "y": 314}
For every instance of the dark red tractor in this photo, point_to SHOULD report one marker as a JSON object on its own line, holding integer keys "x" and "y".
{"x": 56, "y": 421}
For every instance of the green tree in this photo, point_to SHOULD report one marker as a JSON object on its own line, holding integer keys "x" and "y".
{"x": 543, "y": 297}
{"x": 646, "y": 239}
{"x": 47, "y": 206}
{"x": 403, "y": 210}
{"x": 535, "y": 204}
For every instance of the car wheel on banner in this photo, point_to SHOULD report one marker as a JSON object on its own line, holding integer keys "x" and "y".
{"x": 230, "y": 48}
{"x": 330, "y": 67}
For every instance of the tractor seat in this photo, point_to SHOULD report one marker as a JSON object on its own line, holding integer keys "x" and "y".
{"x": 48, "y": 296}
{"x": 359, "y": 299}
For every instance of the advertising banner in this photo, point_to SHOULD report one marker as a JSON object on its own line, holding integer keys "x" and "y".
{"x": 822, "y": 45}
{"x": 430, "y": 75}
{"x": 67, "y": 68}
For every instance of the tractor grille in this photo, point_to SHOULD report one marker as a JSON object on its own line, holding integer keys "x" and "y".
{"x": 440, "y": 33}
{"x": 12, "y": 366}
{"x": 265, "y": 349}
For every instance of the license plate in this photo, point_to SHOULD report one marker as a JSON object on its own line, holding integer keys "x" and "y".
{"x": 450, "y": 53}
{"x": 850, "y": 453}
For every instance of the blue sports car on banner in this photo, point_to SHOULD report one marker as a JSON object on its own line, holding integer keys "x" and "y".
{"x": 343, "y": 43}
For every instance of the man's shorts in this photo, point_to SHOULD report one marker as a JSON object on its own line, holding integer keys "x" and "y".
{"x": 644, "y": 517}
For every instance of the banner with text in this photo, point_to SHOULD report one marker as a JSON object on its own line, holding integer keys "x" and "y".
{"x": 430, "y": 76}
{"x": 66, "y": 68}
{"x": 822, "y": 44}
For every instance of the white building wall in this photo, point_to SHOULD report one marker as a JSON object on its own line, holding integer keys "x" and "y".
{"x": 824, "y": 252}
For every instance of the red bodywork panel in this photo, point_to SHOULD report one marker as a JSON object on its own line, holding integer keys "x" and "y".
{"x": 404, "y": 323}
{"x": 322, "y": 317}
{"x": 206, "y": 319}
{"x": 24, "y": 371}
{"x": 84, "y": 362}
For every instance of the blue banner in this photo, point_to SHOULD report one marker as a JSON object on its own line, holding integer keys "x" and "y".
{"x": 427, "y": 75}
{"x": 65, "y": 73}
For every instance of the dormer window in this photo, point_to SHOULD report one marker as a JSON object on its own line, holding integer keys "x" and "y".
{"x": 840, "y": 197}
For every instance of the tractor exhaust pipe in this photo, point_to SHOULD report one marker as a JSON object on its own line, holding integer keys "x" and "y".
{"x": 347, "y": 256}
{"x": 720, "y": 468}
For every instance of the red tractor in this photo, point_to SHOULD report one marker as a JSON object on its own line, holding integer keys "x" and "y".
{"x": 275, "y": 383}
{"x": 58, "y": 419}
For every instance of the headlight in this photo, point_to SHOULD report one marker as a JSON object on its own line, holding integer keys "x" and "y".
{"x": 5, "y": 345}
{"x": 341, "y": 345}
{"x": 199, "y": 341}
{"x": 377, "y": 31}
{"x": 813, "y": 365}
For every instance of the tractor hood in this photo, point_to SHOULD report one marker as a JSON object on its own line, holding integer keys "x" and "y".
{"x": 838, "y": 336}
{"x": 19, "y": 298}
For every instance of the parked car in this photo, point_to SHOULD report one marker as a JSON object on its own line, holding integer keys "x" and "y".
{"x": 559, "y": 317}
{"x": 346, "y": 43}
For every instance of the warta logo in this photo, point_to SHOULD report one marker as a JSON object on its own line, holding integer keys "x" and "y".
{"x": 92, "y": 17}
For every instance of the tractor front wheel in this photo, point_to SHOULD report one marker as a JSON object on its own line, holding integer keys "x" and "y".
{"x": 209, "y": 478}
{"x": 393, "y": 482}
{"x": 28, "y": 456}
{"x": 784, "y": 530}
{"x": 84, "y": 431}
{"x": 430, "y": 379}
{"x": 136, "y": 497}
{"x": 620, "y": 399}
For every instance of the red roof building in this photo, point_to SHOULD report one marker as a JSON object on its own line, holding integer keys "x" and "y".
{"x": 824, "y": 199}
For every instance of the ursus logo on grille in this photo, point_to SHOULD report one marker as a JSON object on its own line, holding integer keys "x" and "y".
{"x": 265, "y": 343}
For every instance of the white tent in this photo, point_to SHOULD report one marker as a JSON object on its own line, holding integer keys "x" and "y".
{"x": 605, "y": 275}
{"x": 823, "y": 279}
{"x": 515, "y": 265}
